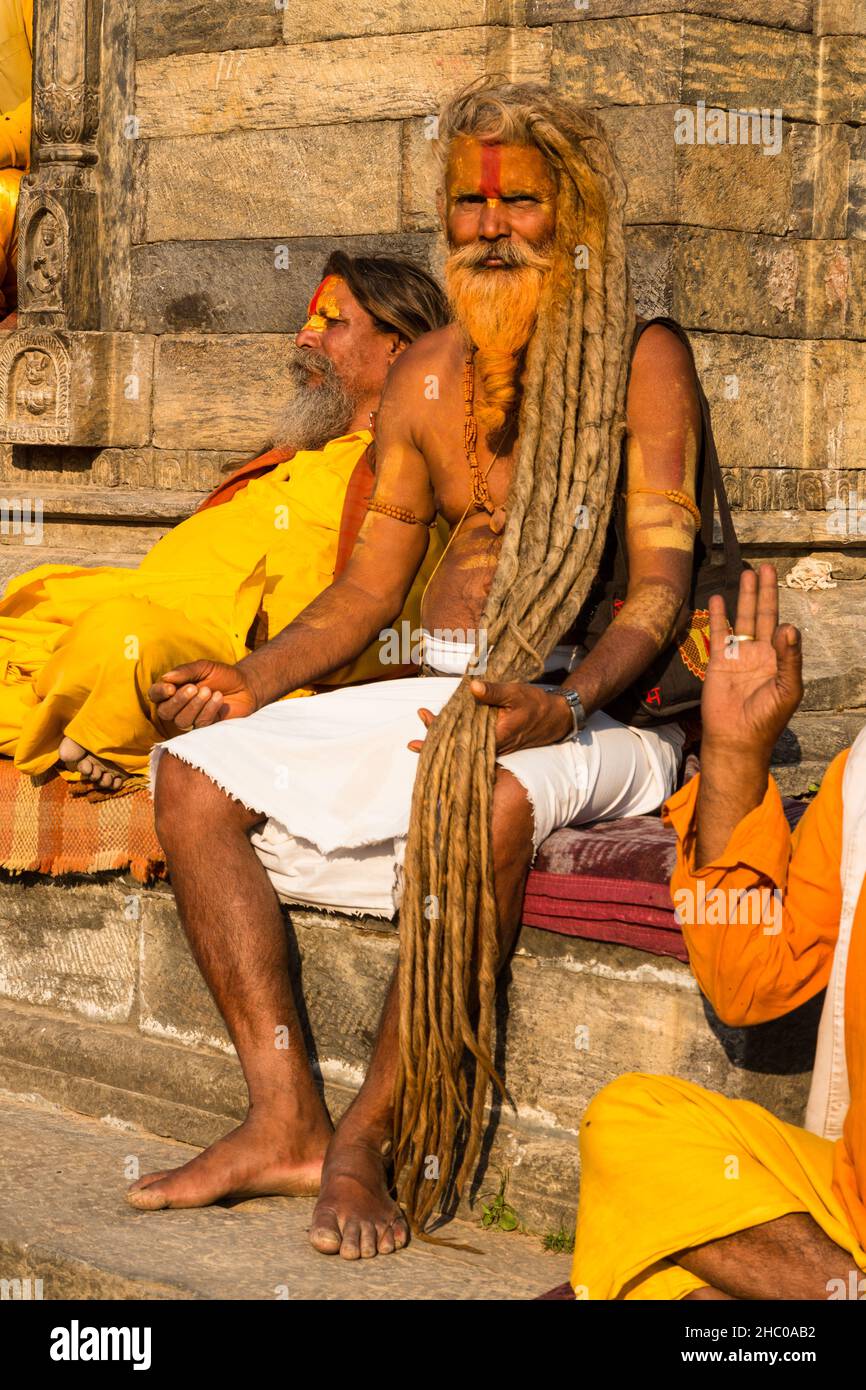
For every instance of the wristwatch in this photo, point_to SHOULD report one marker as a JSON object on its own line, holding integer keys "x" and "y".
{"x": 578, "y": 713}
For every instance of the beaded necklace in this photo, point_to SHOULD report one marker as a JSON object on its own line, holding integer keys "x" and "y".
{"x": 481, "y": 499}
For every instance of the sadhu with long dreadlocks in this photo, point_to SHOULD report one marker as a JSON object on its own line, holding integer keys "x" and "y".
{"x": 509, "y": 424}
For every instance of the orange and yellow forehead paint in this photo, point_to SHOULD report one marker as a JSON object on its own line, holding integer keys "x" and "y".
{"x": 323, "y": 305}
{"x": 498, "y": 171}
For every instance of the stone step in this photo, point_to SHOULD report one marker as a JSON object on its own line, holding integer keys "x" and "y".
{"x": 116, "y": 504}
{"x": 64, "y": 1220}
{"x": 105, "y": 1011}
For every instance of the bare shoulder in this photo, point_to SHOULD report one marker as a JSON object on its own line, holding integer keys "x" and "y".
{"x": 433, "y": 354}
{"x": 661, "y": 355}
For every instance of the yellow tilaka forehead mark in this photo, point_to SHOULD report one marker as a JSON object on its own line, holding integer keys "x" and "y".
{"x": 323, "y": 305}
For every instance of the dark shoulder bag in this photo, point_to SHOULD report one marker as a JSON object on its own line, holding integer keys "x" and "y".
{"x": 672, "y": 684}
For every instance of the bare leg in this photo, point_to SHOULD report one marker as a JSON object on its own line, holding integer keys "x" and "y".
{"x": 232, "y": 918}
{"x": 789, "y": 1258}
{"x": 355, "y": 1215}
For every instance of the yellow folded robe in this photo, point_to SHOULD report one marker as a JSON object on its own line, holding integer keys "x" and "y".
{"x": 79, "y": 648}
{"x": 667, "y": 1165}
{"x": 16, "y": 62}
{"x": 10, "y": 181}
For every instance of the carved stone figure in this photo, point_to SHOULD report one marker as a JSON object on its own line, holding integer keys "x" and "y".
{"x": 45, "y": 256}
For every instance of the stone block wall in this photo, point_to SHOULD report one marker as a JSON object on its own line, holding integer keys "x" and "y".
{"x": 217, "y": 154}
{"x": 103, "y": 1010}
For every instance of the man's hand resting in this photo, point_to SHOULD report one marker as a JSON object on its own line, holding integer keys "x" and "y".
{"x": 201, "y": 693}
{"x": 527, "y": 717}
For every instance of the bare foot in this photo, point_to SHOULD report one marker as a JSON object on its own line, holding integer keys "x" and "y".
{"x": 96, "y": 770}
{"x": 355, "y": 1216}
{"x": 258, "y": 1159}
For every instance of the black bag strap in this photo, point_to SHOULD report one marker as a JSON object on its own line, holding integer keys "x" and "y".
{"x": 712, "y": 482}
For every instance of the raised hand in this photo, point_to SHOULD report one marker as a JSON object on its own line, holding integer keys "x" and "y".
{"x": 201, "y": 693}
{"x": 753, "y": 686}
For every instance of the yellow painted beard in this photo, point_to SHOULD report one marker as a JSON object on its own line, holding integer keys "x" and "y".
{"x": 498, "y": 310}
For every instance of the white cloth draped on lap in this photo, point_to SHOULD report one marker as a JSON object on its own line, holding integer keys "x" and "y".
{"x": 334, "y": 776}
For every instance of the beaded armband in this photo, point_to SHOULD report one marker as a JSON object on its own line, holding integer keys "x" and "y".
{"x": 673, "y": 495}
{"x": 399, "y": 513}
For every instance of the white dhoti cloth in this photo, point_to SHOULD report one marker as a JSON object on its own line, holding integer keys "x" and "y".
{"x": 334, "y": 776}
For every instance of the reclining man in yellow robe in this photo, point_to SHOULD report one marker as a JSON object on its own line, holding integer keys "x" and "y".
{"x": 16, "y": 68}
{"x": 80, "y": 648}
{"x": 684, "y": 1193}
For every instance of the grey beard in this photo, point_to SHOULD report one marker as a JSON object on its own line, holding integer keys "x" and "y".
{"x": 313, "y": 415}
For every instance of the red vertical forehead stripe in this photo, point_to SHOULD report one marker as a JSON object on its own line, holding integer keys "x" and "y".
{"x": 491, "y": 167}
{"x": 318, "y": 292}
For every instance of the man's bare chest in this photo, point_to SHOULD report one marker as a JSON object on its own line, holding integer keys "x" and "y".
{"x": 470, "y": 471}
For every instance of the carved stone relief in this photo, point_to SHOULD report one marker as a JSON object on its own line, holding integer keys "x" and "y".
{"x": 34, "y": 388}
{"x": 45, "y": 241}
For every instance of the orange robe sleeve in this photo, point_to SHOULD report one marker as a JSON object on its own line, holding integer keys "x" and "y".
{"x": 751, "y": 966}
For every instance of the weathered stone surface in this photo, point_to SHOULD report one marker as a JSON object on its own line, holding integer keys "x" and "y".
{"x": 842, "y": 78}
{"x": 639, "y": 1012}
{"x": 804, "y": 190}
{"x": 846, "y": 567}
{"x": 857, "y": 209}
{"x": 162, "y": 27}
{"x": 344, "y": 965}
{"x": 242, "y": 286}
{"x": 175, "y": 1003}
{"x": 781, "y": 403}
{"x": 119, "y": 166}
{"x": 343, "y": 990}
{"x": 794, "y": 532}
{"x": 116, "y": 504}
{"x": 799, "y": 779}
{"x": 219, "y": 391}
{"x": 738, "y": 282}
{"x": 801, "y": 190}
{"x": 18, "y": 560}
{"x": 49, "y": 466}
{"x": 623, "y": 62}
{"x": 824, "y": 196}
{"x": 332, "y": 82}
{"x": 117, "y": 1074}
{"x": 662, "y": 58}
{"x": 75, "y": 388}
{"x": 839, "y": 17}
{"x": 63, "y": 1218}
{"x": 84, "y": 963}
{"x": 420, "y": 177}
{"x": 816, "y": 738}
{"x": 781, "y": 14}
{"x": 83, "y": 543}
{"x": 274, "y": 184}
{"x": 340, "y": 1010}
{"x": 833, "y": 624}
{"x": 305, "y": 21}
{"x": 824, "y": 491}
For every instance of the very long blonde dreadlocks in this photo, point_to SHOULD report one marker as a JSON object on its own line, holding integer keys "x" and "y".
{"x": 571, "y": 423}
